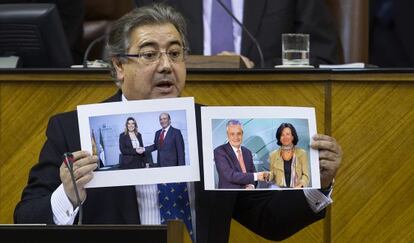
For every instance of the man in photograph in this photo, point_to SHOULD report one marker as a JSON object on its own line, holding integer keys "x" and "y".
{"x": 169, "y": 143}
{"x": 234, "y": 162}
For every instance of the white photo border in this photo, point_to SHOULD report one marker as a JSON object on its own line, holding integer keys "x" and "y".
{"x": 209, "y": 113}
{"x": 142, "y": 176}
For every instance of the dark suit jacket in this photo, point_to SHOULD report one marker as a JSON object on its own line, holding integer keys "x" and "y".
{"x": 267, "y": 20}
{"x": 391, "y": 39}
{"x": 129, "y": 158}
{"x": 271, "y": 214}
{"x": 171, "y": 152}
{"x": 228, "y": 167}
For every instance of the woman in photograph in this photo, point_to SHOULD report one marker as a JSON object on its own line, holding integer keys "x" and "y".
{"x": 130, "y": 143}
{"x": 288, "y": 164}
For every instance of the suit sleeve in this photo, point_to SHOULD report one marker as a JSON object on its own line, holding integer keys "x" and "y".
{"x": 275, "y": 215}
{"x": 250, "y": 161}
{"x": 226, "y": 170}
{"x": 152, "y": 147}
{"x": 44, "y": 178}
{"x": 141, "y": 143}
{"x": 179, "y": 143}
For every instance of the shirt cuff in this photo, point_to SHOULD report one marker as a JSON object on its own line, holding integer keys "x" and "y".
{"x": 62, "y": 208}
{"x": 255, "y": 176}
{"x": 317, "y": 200}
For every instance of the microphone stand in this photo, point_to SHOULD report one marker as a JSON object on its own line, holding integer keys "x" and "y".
{"x": 259, "y": 49}
{"x": 92, "y": 44}
{"x": 68, "y": 160}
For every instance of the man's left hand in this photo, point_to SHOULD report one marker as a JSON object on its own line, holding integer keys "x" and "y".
{"x": 330, "y": 156}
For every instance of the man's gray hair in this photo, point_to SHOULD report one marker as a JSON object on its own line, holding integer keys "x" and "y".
{"x": 233, "y": 122}
{"x": 120, "y": 33}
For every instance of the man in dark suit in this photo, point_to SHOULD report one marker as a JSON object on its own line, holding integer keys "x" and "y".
{"x": 169, "y": 143}
{"x": 266, "y": 20}
{"x": 234, "y": 162}
{"x": 151, "y": 67}
{"x": 390, "y": 38}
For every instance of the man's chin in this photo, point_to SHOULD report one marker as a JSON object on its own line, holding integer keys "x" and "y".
{"x": 160, "y": 94}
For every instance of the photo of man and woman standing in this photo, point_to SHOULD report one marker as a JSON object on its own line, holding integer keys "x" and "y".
{"x": 288, "y": 163}
{"x": 168, "y": 141}
{"x": 135, "y": 152}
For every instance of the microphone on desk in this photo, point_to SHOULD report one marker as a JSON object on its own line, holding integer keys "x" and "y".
{"x": 88, "y": 49}
{"x": 68, "y": 160}
{"x": 256, "y": 43}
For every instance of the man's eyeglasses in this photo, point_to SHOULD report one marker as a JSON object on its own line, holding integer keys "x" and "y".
{"x": 175, "y": 55}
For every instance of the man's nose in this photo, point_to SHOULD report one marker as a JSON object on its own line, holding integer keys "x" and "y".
{"x": 164, "y": 64}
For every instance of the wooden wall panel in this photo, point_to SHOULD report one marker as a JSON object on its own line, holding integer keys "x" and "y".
{"x": 374, "y": 195}
{"x": 25, "y": 110}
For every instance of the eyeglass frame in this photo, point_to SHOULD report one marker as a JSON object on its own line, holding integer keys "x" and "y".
{"x": 139, "y": 56}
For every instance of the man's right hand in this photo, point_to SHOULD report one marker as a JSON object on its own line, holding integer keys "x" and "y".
{"x": 83, "y": 165}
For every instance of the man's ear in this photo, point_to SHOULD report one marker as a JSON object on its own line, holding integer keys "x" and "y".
{"x": 118, "y": 68}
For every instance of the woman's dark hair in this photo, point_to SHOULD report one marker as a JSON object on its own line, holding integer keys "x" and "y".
{"x": 292, "y": 129}
{"x": 126, "y": 125}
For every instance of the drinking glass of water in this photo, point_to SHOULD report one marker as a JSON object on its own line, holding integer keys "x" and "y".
{"x": 295, "y": 49}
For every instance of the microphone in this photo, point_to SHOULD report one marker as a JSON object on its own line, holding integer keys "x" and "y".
{"x": 68, "y": 160}
{"x": 88, "y": 49}
{"x": 256, "y": 43}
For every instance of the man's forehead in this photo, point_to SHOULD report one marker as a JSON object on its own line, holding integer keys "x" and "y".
{"x": 235, "y": 127}
{"x": 158, "y": 35}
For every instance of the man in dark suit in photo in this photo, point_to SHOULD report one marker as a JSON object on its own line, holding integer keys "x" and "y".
{"x": 146, "y": 49}
{"x": 234, "y": 162}
{"x": 169, "y": 143}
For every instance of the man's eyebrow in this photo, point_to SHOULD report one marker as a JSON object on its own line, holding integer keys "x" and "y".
{"x": 175, "y": 42}
{"x": 154, "y": 44}
{"x": 145, "y": 44}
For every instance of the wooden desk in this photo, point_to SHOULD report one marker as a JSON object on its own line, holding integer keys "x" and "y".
{"x": 369, "y": 112}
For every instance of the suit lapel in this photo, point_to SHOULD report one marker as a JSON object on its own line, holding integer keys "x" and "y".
{"x": 128, "y": 206}
{"x": 235, "y": 161}
{"x": 252, "y": 14}
{"x": 157, "y": 137}
{"x": 167, "y": 136}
